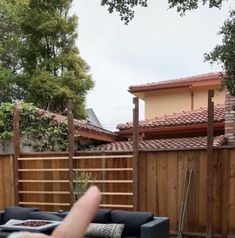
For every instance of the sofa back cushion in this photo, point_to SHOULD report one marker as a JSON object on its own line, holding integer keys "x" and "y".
{"x": 44, "y": 216}
{"x": 132, "y": 221}
{"x": 102, "y": 216}
{"x": 19, "y": 213}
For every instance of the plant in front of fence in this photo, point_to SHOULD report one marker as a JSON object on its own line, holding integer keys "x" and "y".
{"x": 82, "y": 180}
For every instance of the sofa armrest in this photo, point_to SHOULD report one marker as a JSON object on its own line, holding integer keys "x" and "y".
{"x": 1, "y": 217}
{"x": 4, "y": 234}
{"x": 159, "y": 227}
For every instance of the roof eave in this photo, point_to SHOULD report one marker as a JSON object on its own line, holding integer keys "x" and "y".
{"x": 214, "y": 82}
{"x": 173, "y": 129}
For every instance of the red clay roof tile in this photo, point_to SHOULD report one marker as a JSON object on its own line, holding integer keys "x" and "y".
{"x": 186, "y": 81}
{"x": 198, "y": 116}
{"x": 162, "y": 144}
{"x": 83, "y": 124}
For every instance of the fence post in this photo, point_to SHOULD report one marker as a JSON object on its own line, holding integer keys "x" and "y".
{"x": 135, "y": 152}
{"x": 71, "y": 148}
{"x": 210, "y": 137}
{"x": 16, "y": 144}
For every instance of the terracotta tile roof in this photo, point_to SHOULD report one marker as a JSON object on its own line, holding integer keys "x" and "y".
{"x": 179, "y": 119}
{"x": 187, "y": 81}
{"x": 83, "y": 124}
{"x": 162, "y": 144}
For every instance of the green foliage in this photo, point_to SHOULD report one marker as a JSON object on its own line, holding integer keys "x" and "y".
{"x": 126, "y": 12}
{"x": 184, "y": 5}
{"x": 124, "y": 7}
{"x": 225, "y": 53}
{"x": 6, "y": 125}
{"x": 6, "y": 88}
{"x": 81, "y": 183}
{"x": 38, "y": 129}
{"x": 38, "y": 47}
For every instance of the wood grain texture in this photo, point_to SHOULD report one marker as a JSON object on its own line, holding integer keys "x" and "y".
{"x": 161, "y": 175}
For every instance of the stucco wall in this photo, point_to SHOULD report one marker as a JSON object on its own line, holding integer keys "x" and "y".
{"x": 169, "y": 101}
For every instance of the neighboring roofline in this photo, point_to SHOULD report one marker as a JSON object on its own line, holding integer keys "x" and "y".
{"x": 90, "y": 112}
{"x": 160, "y": 144}
{"x": 92, "y": 134}
{"x": 82, "y": 128}
{"x": 174, "y": 129}
{"x": 211, "y": 79}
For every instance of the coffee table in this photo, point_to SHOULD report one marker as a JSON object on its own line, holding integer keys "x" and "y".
{"x": 31, "y": 225}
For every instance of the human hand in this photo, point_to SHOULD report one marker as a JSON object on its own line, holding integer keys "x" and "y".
{"x": 76, "y": 222}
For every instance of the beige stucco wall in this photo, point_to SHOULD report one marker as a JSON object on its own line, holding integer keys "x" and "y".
{"x": 169, "y": 101}
{"x": 201, "y": 98}
{"x": 166, "y": 102}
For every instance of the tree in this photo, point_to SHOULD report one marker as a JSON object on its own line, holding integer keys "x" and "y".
{"x": 10, "y": 39}
{"x": 125, "y": 7}
{"x": 44, "y": 60}
{"x": 225, "y": 53}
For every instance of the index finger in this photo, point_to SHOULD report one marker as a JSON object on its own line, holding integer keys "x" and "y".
{"x": 79, "y": 217}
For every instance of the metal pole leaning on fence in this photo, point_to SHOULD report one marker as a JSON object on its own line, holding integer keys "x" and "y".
{"x": 184, "y": 202}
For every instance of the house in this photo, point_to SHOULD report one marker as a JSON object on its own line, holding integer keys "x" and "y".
{"x": 174, "y": 96}
{"x": 176, "y": 131}
{"x": 91, "y": 117}
{"x": 86, "y": 133}
{"x": 176, "y": 115}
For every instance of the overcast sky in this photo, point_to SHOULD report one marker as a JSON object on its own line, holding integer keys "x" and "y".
{"x": 157, "y": 45}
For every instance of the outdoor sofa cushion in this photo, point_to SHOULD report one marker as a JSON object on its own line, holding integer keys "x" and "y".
{"x": 19, "y": 213}
{"x": 132, "y": 221}
{"x": 102, "y": 216}
{"x": 44, "y": 216}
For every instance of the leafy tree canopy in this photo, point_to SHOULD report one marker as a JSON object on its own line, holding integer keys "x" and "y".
{"x": 38, "y": 53}
{"x": 126, "y": 7}
{"x": 225, "y": 53}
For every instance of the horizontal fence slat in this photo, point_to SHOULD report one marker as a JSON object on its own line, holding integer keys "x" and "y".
{"x": 116, "y": 205}
{"x": 104, "y": 169}
{"x": 103, "y": 156}
{"x": 43, "y": 181}
{"x": 67, "y": 192}
{"x": 67, "y": 181}
{"x": 42, "y": 170}
{"x": 106, "y": 181}
{"x": 44, "y": 192}
{"x": 45, "y": 203}
{"x": 117, "y": 193}
{"x": 42, "y": 158}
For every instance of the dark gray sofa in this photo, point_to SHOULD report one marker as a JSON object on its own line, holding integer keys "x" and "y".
{"x": 137, "y": 224}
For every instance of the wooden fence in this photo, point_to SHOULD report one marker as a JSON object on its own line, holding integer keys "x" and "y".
{"x": 161, "y": 177}
{"x": 43, "y": 182}
{"x": 6, "y": 181}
